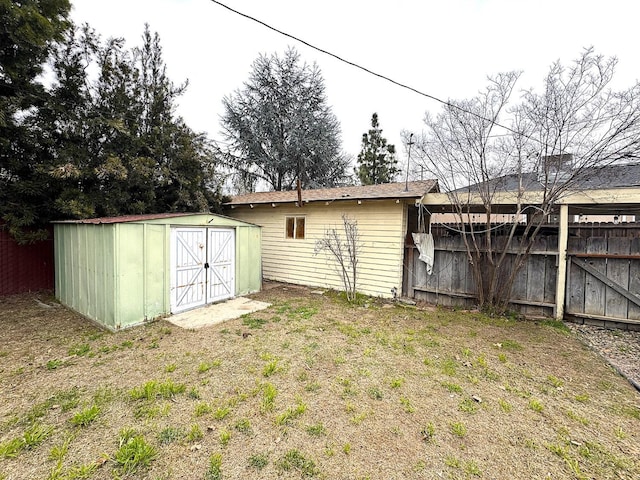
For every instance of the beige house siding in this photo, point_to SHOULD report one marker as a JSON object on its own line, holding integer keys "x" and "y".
{"x": 381, "y": 224}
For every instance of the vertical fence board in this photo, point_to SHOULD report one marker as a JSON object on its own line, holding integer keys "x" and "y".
{"x": 536, "y": 277}
{"x": 634, "y": 278}
{"x": 519, "y": 289}
{"x": 458, "y": 272}
{"x": 594, "y": 294}
{"x": 444, "y": 277}
{"x": 576, "y": 279}
{"x": 419, "y": 269}
{"x": 551, "y": 270}
{"x": 617, "y": 271}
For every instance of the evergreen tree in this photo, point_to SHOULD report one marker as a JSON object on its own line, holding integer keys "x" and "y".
{"x": 28, "y": 31}
{"x": 281, "y": 128}
{"x": 377, "y": 159}
{"x": 105, "y": 145}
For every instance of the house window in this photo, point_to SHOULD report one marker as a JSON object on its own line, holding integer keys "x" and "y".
{"x": 295, "y": 227}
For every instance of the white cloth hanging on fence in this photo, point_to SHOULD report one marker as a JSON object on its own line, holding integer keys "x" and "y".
{"x": 424, "y": 242}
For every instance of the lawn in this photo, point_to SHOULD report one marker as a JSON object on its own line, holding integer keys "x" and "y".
{"x": 311, "y": 387}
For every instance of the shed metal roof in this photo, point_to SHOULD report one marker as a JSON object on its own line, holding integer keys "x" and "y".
{"x": 414, "y": 189}
{"x": 129, "y": 218}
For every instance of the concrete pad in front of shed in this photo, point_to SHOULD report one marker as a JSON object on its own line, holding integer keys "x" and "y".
{"x": 217, "y": 313}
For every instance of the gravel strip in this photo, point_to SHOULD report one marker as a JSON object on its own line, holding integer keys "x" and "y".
{"x": 620, "y": 348}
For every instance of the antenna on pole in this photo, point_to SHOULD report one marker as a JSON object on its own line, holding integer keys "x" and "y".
{"x": 406, "y": 178}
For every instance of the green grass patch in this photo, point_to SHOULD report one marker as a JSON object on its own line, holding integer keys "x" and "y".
{"x": 295, "y": 460}
{"x": 202, "y": 409}
{"x": 556, "y": 324}
{"x": 510, "y": 345}
{"x": 214, "y": 470}
{"x": 468, "y": 405}
{"x": 407, "y": 405}
{"x": 505, "y": 406}
{"x": 195, "y": 433}
{"x": 54, "y": 364}
{"x": 253, "y": 322}
{"x": 225, "y": 437}
{"x": 153, "y": 390}
{"x": 396, "y": 382}
{"x": 291, "y": 413}
{"x": 170, "y": 435}
{"x": 243, "y": 425}
{"x": 221, "y": 412}
{"x": 271, "y": 368}
{"x": 86, "y": 416}
{"x": 151, "y": 410}
{"x": 458, "y": 429}
{"x": 375, "y": 393}
{"x": 428, "y": 433}
{"x": 30, "y": 439}
{"x": 269, "y": 393}
{"x": 452, "y": 387}
{"x": 449, "y": 366}
{"x": 536, "y": 405}
{"x": 80, "y": 350}
{"x": 555, "y": 381}
{"x": 316, "y": 430}
{"x": 206, "y": 366}
{"x": 582, "y": 398}
{"x": 578, "y": 418}
{"x": 134, "y": 453}
{"x": 258, "y": 460}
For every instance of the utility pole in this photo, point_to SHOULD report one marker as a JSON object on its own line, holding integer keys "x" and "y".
{"x": 406, "y": 177}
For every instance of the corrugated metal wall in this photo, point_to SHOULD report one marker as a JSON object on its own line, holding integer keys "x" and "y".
{"x": 25, "y": 268}
{"x": 118, "y": 273}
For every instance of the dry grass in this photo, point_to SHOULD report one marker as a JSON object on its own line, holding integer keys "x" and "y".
{"x": 309, "y": 387}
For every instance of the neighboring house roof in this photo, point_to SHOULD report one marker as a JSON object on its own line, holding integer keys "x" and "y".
{"x": 606, "y": 177}
{"x": 127, "y": 218}
{"x": 362, "y": 192}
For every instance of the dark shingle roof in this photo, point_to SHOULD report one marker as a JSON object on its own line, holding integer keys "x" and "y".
{"x": 606, "y": 177}
{"x": 362, "y": 192}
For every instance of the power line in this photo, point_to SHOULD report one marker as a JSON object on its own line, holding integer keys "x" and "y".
{"x": 360, "y": 67}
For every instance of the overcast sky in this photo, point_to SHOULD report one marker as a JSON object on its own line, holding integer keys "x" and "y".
{"x": 445, "y": 48}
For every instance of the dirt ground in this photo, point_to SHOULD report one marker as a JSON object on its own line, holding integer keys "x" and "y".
{"x": 310, "y": 387}
{"x": 619, "y": 348}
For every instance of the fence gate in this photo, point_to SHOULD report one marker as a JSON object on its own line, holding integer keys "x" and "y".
{"x": 603, "y": 278}
{"x": 202, "y": 266}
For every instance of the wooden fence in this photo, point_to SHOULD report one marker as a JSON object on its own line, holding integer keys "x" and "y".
{"x": 452, "y": 283}
{"x": 603, "y": 280}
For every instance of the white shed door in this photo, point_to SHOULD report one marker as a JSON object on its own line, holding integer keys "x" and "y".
{"x": 189, "y": 277}
{"x": 203, "y": 267}
{"x": 221, "y": 281}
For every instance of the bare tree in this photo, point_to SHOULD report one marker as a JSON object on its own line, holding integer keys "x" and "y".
{"x": 553, "y": 143}
{"x": 344, "y": 248}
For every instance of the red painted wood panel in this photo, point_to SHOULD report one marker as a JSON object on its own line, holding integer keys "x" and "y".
{"x": 25, "y": 268}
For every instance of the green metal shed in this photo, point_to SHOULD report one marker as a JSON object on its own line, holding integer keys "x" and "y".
{"x": 123, "y": 271}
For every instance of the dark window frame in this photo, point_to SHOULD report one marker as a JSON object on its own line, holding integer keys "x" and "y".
{"x": 295, "y": 227}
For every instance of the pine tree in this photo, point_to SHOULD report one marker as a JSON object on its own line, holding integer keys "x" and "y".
{"x": 377, "y": 159}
